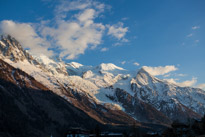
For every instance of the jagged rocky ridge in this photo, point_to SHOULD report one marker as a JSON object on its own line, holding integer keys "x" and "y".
{"x": 107, "y": 93}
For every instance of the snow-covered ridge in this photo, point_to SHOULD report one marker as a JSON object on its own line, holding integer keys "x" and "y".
{"x": 156, "y": 92}
{"x": 55, "y": 74}
{"x": 109, "y": 66}
{"x": 100, "y": 81}
{"x": 55, "y": 67}
{"x": 74, "y": 65}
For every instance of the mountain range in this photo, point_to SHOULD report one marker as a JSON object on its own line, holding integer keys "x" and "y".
{"x": 43, "y": 95}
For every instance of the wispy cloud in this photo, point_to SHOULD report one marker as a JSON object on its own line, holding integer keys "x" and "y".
{"x": 160, "y": 70}
{"x": 117, "y": 30}
{"x": 181, "y": 75}
{"x": 167, "y": 75}
{"x": 125, "y": 18}
{"x": 202, "y": 86}
{"x": 190, "y": 35}
{"x": 175, "y": 75}
{"x": 195, "y": 27}
{"x": 136, "y": 63}
{"x": 123, "y": 62}
{"x": 187, "y": 83}
{"x": 61, "y": 10}
{"x": 117, "y": 44}
{"x": 104, "y": 49}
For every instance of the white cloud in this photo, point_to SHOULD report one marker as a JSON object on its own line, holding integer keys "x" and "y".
{"x": 123, "y": 62}
{"x": 117, "y": 30}
{"x": 195, "y": 27}
{"x": 202, "y": 86}
{"x": 197, "y": 41}
{"x": 104, "y": 49}
{"x": 72, "y": 31}
{"x": 167, "y": 75}
{"x": 176, "y": 75}
{"x": 26, "y": 35}
{"x": 190, "y": 35}
{"x": 160, "y": 70}
{"x": 75, "y": 35}
{"x": 125, "y": 18}
{"x": 171, "y": 80}
{"x": 187, "y": 83}
{"x": 62, "y": 9}
{"x": 74, "y": 38}
{"x": 125, "y": 40}
{"x": 65, "y": 6}
{"x": 117, "y": 44}
{"x": 86, "y": 15}
{"x": 181, "y": 75}
{"x": 136, "y": 63}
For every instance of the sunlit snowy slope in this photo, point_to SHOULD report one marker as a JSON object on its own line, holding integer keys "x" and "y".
{"x": 107, "y": 90}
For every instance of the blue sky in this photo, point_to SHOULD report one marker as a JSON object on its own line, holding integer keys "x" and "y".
{"x": 128, "y": 33}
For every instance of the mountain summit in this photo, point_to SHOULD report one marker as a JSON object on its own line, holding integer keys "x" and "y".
{"x": 10, "y": 48}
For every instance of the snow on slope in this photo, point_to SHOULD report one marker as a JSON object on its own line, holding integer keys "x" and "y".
{"x": 57, "y": 68}
{"x": 75, "y": 65}
{"x": 53, "y": 73}
{"x": 96, "y": 80}
{"x": 108, "y": 67}
{"x": 155, "y": 91}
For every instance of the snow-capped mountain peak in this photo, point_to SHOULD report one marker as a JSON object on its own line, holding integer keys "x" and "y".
{"x": 10, "y": 48}
{"x": 74, "y": 65}
{"x": 109, "y": 66}
{"x": 144, "y": 78}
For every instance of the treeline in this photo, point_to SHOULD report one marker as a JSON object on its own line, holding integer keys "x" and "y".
{"x": 192, "y": 128}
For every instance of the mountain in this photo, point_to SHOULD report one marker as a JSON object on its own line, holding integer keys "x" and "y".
{"x": 108, "y": 94}
{"x": 173, "y": 101}
{"x": 28, "y": 108}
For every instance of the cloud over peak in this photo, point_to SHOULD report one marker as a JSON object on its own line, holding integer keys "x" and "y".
{"x": 160, "y": 70}
{"x": 187, "y": 83}
{"x": 202, "y": 86}
{"x": 26, "y": 35}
